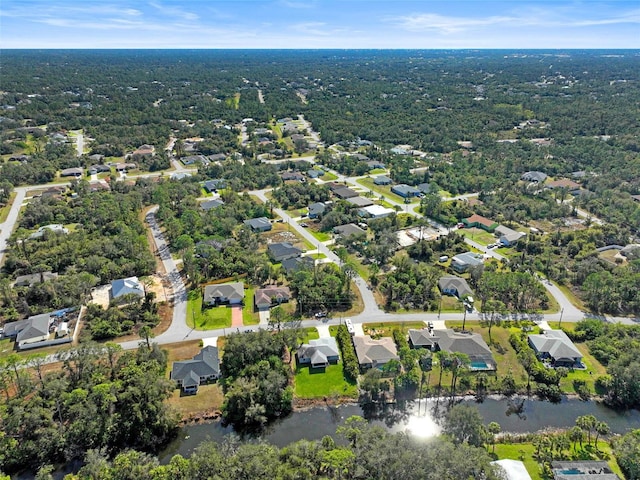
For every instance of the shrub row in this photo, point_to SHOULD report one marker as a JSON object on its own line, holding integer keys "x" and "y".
{"x": 350, "y": 364}
{"x": 400, "y": 339}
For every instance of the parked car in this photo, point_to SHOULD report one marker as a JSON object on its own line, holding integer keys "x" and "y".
{"x": 321, "y": 315}
{"x": 305, "y": 225}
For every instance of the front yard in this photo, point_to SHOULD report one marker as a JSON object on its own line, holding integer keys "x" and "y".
{"x": 323, "y": 382}
{"x": 209, "y": 318}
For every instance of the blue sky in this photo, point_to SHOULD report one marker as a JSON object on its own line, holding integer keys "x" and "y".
{"x": 319, "y": 24}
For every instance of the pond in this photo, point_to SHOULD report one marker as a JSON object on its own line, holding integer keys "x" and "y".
{"x": 516, "y": 415}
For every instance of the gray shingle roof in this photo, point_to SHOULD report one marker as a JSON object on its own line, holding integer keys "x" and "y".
{"x": 35, "y": 326}
{"x": 230, "y": 291}
{"x": 348, "y": 230}
{"x": 319, "y": 350}
{"x": 125, "y": 286}
{"x": 282, "y": 250}
{"x": 556, "y": 343}
{"x": 450, "y": 282}
{"x": 421, "y": 338}
{"x": 206, "y": 363}
{"x": 375, "y": 352}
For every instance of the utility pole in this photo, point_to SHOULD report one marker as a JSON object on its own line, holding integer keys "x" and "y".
{"x": 561, "y": 312}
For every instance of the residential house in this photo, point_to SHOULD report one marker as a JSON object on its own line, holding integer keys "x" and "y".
{"x": 263, "y": 298}
{"x": 318, "y": 353}
{"x": 54, "y": 227}
{"x": 31, "y": 330}
{"x": 33, "y": 278}
{"x": 345, "y": 192}
{"x": 217, "y": 157}
{"x": 71, "y": 172}
{"x": 405, "y": 191}
{"x": 260, "y": 224}
{"x": 313, "y": 173}
{"x": 145, "y": 150}
{"x": 374, "y": 353}
{"x": 479, "y": 221}
{"x": 456, "y": 286}
{"x": 231, "y": 293}
{"x": 180, "y": 175}
{"x": 463, "y": 261}
{"x": 382, "y": 180}
{"x": 282, "y": 251}
{"x": 563, "y": 183}
{"x": 583, "y": 470}
{"x": 536, "y": 177}
{"x": 210, "y": 204}
{"x": 556, "y": 346}
{"x": 376, "y": 211}
{"x": 470, "y": 344}
{"x": 19, "y": 158}
{"x": 513, "y": 469}
{"x": 360, "y": 201}
{"x": 294, "y": 264}
{"x": 125, "y": 167}
{"x": 316, "y": 210}
{"x": 98, "y": 168}
{"x": 195, "y": 159}
{"x": 636, "y": 197}
{"x": 422, "y": 338}
{"x": 190, "y": 374}
{"x": 508, "y": 237}
{"x": 400, "y": 151}
{"x": 212, "y": 186}
{"x": 424, "y": 188}
{"x": 96, "y": 157}
{"x": 292, "y": 177}
{"x": 348, "y": 230}
{"x": 359, "y": 157}
{"x": 376, "y": 164}
{"x": 126, "y": 286}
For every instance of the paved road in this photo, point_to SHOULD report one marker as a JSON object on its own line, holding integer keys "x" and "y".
{"x": 371, "y": 307}
{"x": 6, "y": 228}
{"x": 178, "y": 331}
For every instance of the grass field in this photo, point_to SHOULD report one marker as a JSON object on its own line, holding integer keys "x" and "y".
{"x": 320, "y": 236}
{"x": 478, "y": 235}
{"x": 209, "y": 397}
{"x": 386, "y": 329}
{"x": 209, "y": 318}
{"x": 249, "y": 317}
{"x": 328, "y": 177}
{"x": 310, "y": 333}
{"x": 323, "y": 382}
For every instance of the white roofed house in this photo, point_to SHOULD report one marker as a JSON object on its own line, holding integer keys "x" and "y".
{"x": 127, "y": 286}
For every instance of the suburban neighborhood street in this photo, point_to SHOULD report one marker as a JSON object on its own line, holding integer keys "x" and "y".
{"x": 179, "y": 331}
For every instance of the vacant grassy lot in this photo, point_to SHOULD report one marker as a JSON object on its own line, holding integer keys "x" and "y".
{"x": 320, "y": 236}
{"x": 249, "y": 316}
{"x": 210, "y": 318}
{"x": 328, "y": 177}
{"x": 323, "y": 382}
{"x": 478, "y": 235}
{"x": 386, "y": 329}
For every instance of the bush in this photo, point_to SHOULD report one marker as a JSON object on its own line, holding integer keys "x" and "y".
{"x": 350, "y": 364}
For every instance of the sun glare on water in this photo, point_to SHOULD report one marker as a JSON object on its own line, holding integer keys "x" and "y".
{"x": 423, "y": 426}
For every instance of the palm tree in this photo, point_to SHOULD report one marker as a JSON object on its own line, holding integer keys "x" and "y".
{"x": 602, "y": 428}
{"x": 146, "y": 334}
{"x": 493, "y": 428}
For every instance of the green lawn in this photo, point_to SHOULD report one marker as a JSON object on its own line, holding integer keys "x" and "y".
{"x": 382, "y": 190}
{"x": 210, "y": 318}
{"x": 323, "y": 382}
{"x": 317, "y": 256}
{"x": 386, "y": 329}
{"x": 321, "y": 236}
{"x": 310, "y": 333}
{"x": 376, "y": 171}
{"x": 478, "y": 235}
{"x": 328, "y": 177}
{"x": 249, "y": 316}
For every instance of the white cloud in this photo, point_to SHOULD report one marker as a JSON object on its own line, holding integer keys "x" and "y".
{"x": 170, "y": 11}
{"x": 448, "y": 24}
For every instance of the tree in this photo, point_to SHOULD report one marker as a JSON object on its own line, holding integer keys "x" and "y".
{"x": 601, "y": 428}
{"x": 146, "y": 334}
{"x": 495, "y": 310}
{"x": 587, "y": 423}
{"x": 463, "y": 424}
{"x": 494, "y": 429}
{"x": 627, "y": 452}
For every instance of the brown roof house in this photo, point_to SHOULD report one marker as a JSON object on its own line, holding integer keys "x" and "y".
{"x": 265, "y": 297}
{"x": 479, "y": 221}
{"x": 374, "y": 353}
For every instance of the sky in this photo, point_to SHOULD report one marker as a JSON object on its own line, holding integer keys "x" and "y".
{"x": 319, "y": 24}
